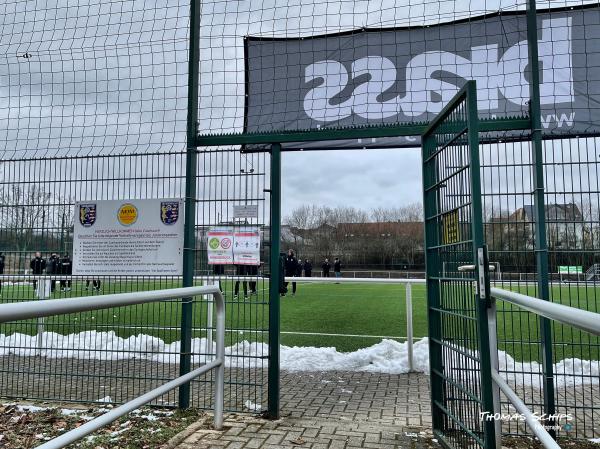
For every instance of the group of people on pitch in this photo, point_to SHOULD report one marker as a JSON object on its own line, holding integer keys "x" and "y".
{"x": 56, "y": 265}
{"x": 240, "y": 270}
{"x": 294, "y": 268}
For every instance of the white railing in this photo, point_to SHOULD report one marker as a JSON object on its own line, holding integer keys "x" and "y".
{"x": 408, "y": 296}
{"x": 593, "y": 272}
{"x": 40, "y": 309}
{"x": 582, "y": 319}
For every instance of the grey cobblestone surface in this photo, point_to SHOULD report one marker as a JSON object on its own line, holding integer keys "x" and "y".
{"x": 333, "y": 410}
{"x": 389, "y": 402}
{"x": 331, "y": 433}
{"x": 343, "y": 410}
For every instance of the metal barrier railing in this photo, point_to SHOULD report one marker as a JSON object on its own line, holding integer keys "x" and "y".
{"x": 39, "y": 309}
{"x": 581, "y": 319}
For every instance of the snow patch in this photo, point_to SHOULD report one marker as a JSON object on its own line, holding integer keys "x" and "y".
{"x": 119, "y": 432}
{"x": 387, "y": 356}
{"x": 31, "y": 408}
{"x": 252, "y": 406}
{"x": 149, "y": 417}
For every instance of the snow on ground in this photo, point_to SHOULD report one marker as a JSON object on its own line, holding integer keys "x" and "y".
{"x": 387, "y": 356}
{"x": 252, "y": 406}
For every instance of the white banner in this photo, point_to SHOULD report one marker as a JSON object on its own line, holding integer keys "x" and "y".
{"x": 220, "y": 246}
{"x": 128, "y": 237}
{"x": 246, "y": 246}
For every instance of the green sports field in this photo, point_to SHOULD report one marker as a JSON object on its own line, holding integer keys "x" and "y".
{"x": 362, "y": 313}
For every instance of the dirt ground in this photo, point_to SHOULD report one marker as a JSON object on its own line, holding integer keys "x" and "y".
{"x": 25, "y": 426}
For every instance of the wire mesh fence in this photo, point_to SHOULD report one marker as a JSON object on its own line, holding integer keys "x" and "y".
{"x": 140, "y": 345}
{"x": 93, "y": 107}
{"x": 570, "y": 171}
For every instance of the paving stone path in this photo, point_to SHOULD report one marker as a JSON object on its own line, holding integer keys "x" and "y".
{"x": 332, "y": 410}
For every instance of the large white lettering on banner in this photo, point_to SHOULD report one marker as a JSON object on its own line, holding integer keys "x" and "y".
{"x": 495, "y": 75}
{"x": 405, "y": 75}
{"x": 128, "y": 237}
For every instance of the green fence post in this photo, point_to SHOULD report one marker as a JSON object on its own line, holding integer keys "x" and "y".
{"x": 481, "y": 261}
{"x": 189, "y": 239}
{"x": 541, "y": 244}
{"x": 433, "y": 270}
{"x": 274, "y": 312}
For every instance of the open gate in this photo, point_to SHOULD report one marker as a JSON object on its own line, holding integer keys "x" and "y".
{"x": 457, "y": 276}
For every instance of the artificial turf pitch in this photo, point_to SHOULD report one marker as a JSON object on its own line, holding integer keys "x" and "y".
{"x": 364, "y": 313}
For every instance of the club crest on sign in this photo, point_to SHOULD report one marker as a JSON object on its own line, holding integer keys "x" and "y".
{"x": 87, "y": 215}
{"x": 169, "y": 212}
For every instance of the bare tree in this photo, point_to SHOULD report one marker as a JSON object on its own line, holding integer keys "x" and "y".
{"x": 381, "y": 236}
{"x": 31, "y": 217}
{"x": 409, "y": 213}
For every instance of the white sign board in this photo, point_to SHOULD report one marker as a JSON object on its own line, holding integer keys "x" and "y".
{"x": 220, "y": 246}
{"x": 233, "y": 246}
{"x": 129, "y": 237}
{"x": 247, "y": 211}
{"x": 246, "y": 246}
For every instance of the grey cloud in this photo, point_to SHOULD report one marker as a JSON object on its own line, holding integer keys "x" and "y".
{"x": 364, "y": 179}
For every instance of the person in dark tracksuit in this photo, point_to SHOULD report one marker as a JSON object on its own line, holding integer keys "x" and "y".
{"x": 241, "y": 270}
{"x": 299, "y": 268}
{"x": 326, "y": 267}
{"x": 53, "y": 268}
{"x": 66, "y": 269}
{"x": 253, "y": 271}
{"x": 307, "y": 268}
{"x": 219, "y": 270}
{"x": 337, "y": 268}
{"x": 96, "y": 284}
{"x": 2, "y": 260}
{"x": 37, "y": 266}
{"x": 291, "y": 269}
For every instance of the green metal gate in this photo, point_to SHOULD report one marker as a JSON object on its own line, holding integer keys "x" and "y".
{"x": 457, "y": 276}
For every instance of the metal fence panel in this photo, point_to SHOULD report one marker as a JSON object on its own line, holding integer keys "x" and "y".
{"x": 460, "y": 376}
{"x": 37, "y": 215}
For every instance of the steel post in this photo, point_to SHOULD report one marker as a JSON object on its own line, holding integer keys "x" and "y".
{"x": 409, "y": 327}
{"x": 274, "y": 312}
{"x": 481, "y": 258}
{"x": 541, "y": 245}
{"x": 189, "y": 242}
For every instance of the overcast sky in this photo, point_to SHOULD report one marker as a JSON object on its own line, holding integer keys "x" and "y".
{"x": 95, "y": 77}
{"x": 365, "y": 179}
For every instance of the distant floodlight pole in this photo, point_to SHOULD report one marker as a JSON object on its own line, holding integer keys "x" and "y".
{"x": 541, "y": 244}
{"x": 189, "y": 238}
{"x": 247, "y": 173}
